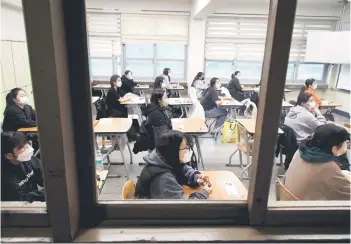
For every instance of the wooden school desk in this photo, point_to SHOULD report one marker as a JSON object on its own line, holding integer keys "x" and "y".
{"x": 141, "y": 88}
{"x": 183, "y": 103}
{"x": 231, "y": 106}
{"x": 226, "y": 186}
{"x": 116, "y": 128}
{"x": 94, "y": 99}
{"x": 286, "y": 107}
{"x": 249, "y": 125}
{"x": 328, "y": 105}
{"x": 175, "y": 87}
{"x": 194, "y": 127}
{"x": 135, "y": 104}
{"x": 103, "y": 88}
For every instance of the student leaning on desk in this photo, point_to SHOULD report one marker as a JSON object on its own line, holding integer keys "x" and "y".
{"x": 18, "y": 113}
{"x": 165, "y": 171}
{"x": 114, "y": 99}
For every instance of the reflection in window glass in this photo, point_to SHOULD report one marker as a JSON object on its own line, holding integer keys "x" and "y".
{"x": 290, "y": 71}
{"x": 249, "y": 70}
{"x": 222, "y": 70}
{"x": 139, "y": 50}
{"x": 101, "y": 67}
{"x": 306, "y": 71}
{"x": 170, "y": 51}
{"x": 140, "y": 68}
{"x": 177, "y": 68}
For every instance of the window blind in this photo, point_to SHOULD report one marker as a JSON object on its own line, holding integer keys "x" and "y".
{"x": 243, "y": 38}
{"x": 154, "y": 28}
{"x": 104, "y": 32}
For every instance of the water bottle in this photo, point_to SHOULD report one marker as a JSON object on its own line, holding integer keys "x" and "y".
{"x": 98, "y": 160}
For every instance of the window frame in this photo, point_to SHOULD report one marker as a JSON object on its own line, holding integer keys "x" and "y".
{"x": 69, "y": 175}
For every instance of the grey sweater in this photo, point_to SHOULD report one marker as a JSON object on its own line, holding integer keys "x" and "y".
{"x": 303, "y": 122}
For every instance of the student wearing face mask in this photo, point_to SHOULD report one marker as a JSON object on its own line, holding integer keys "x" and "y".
{"x": 21, "y": 177}
{"x": 159, "y": 83}
{"x": 114, "y": 99}
{"x": 305, "y": 117}
{"x": 127, "y": 82}
{"x": 310, "y": 88}
{"x": 316, "y": 166}
{"x": 18, "y": 113}
{"x": 165, "y": 172}
{"x": 167, "y": 76}
{"x": 199, "y": 84}
{"x": 234, "y": 87}
{"x": 210, "y": 102}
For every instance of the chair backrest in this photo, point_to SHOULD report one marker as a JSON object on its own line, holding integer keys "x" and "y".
{"x": 128, "y": 190}
{"x": 242, "y": 132}
{"x": 284, "y": 194}
{"x": 347, "y": 125}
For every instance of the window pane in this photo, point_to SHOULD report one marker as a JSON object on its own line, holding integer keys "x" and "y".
{"x": 101, "y": 67}
{"x": 170, "y": 51}
{"x": 139, "y": 51}
{"x": 222, "y": 70}
{"x": 177, "y": 69}
{"x": 249, "y": 70}
{"x": 140, "y": 68}
{"x": 306, "y": 71}
{"x": 290, "y": 71}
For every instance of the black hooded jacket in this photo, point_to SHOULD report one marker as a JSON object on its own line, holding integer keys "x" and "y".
{"x": 16, "y": 118}
{"x": 127, "y": 84}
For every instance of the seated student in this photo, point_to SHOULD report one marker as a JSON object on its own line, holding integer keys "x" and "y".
{"x": 165, "y": 173}
{"x": 20, "y": 172}
{"x": 114, "y": 99}
{"x": 167, "y": 77}
{"x": 159, "y": 82}
{"x": 316, "y": 166}
{"x": 304, "y": 118}
{"x": 310, "y": 88}
{"x": 235, "y": 88}
{"x": 127, "y": 82}
{"x": 210, "y": 102}
{"x": 18, "y": 113}
{"x": 199, "y": 84}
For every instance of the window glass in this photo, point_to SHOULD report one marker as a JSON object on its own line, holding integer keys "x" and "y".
{"x": 249, "y": 70}
{"x": 177, "y": 68}
{"x": 139, "y": 50}
{"x": 220, "y": 69}
{"x": 101, "y": 67}
{"x": 140, "y": 68}
{"x": 170, "y": 51}
{"x": 306, "y": 71}
{"x": 290, "y": 71}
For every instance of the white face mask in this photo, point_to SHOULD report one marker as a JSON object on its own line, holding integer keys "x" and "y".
{"x": 315, "y": 86}
{"x": 23, "y": 100}
{"x": 163, "y": 86}
{"x": 187, "y": 156}
{"x": 129, "y": 76}
{"x": 119, "y": 83}
{"x": 342, "y": 150}
{"x": 238, "y": 76}
{"x": 311, "y": 105}
{"x": 26, "y": 155}
{"x": 165, "y": 102}
{"x": 218, "y": 85}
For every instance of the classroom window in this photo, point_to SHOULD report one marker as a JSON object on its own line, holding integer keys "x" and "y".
{"x": 101, "y": 67}
{"x": 177, "y": 68}
{"x": 220, "y": 69}
{"x": 139, "y": 51}
{"x": 170, "y": 51}
{"x": 290, "y": 72}
{"x": 140, "y": 68}
{"x": 249, "y": 70}
{"x": 306, "y": 71}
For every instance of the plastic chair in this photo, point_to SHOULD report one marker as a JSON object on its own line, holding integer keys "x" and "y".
{"x": 128, "y": 190}
{"x": 284, "y": 194}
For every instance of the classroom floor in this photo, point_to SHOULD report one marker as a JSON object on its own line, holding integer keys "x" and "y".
{"x": 216, "y": 156}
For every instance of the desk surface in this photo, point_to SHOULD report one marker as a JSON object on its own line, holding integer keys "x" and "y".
{"x": 35, "y": 129}
{"x": 190, "y": 125}
{"x": 113, "y": 126}
{"x": 248, "y": 89}
{"x": 226, "y": 186}
{"x": 176, "y": 87}
{"x": 286, "y": 105}
{"x": 102, "y": 86}
{"x": 250, "y": 125}
{"x": 179, "y": 101}
{"x": 327, "y": 104}
{"x": 94, "y": 99}
{"x": 135, "y": 101}
{"x": 142, "y": 87}
{"x": 231, "y": 103}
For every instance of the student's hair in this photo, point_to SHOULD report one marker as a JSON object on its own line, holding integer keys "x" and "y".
{"x": 198, "y": 76}
{"x": 303, "y": 98}
{"x": 168, "y": 148}
{"x": 127, "y": 72}
{"x": 158, "y": 82}
{"x": 113, "y": 79}
{"x": 326, "y": 137}
{"x": 156, "y": 96}
{"x": 235, "y": 74}
{"x": 10, "y": 96}
{"x": 166, "y": 72}
{"x": 10, "y": 140}
{"x": 308, "y": 83}
{"x": 213, "y": 81}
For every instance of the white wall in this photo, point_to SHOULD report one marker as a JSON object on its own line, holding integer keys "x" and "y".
{"x": 12, "y": 23}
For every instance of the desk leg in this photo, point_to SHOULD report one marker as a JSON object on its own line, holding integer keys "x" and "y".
{"x": 199, "y": 152}
{"x": 181, "y": 116}
{"x": 130, "y": 152}
{"x": 140, "y": 116}
{"x": 122, "y": 154}
{"x": 36, "y": 153}
{"x": 186, "y": 112}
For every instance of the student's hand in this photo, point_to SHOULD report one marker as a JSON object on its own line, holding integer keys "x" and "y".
{"x": 200, "y": 180}
{"x": 209, "y": 189}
